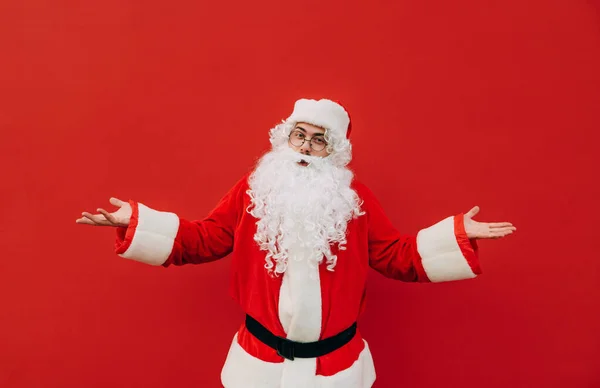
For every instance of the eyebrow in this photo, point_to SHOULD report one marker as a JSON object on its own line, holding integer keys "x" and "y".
{"x": 304, "y": 130}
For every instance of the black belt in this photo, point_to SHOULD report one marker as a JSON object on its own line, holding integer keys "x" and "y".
{"x": 291, "y": 349}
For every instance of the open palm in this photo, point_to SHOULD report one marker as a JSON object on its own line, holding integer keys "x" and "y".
{"x": 481, "y": 230}
{"x": 119, "y": 218}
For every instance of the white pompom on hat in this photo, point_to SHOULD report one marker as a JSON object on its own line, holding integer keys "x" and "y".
{"x": 323, "y": 113}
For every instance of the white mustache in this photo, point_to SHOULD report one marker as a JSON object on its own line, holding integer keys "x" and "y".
{"x": 293, "y": 156}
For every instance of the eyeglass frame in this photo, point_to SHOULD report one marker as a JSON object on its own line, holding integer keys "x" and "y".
{"x": 310, "y": 144}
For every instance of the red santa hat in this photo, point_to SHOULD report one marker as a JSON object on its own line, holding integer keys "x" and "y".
{"x": 323, "y": 113}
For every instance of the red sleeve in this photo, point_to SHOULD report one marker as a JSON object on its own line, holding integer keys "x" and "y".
{"x": 211, "y": 238}
{"x": 163, "y": 238}
{"x": 125, "y": 235}
{"x": 391, "y": 253}
{"x": 468, "y": 246}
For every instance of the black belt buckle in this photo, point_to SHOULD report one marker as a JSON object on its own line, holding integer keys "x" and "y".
{"x": 285, "y": 349}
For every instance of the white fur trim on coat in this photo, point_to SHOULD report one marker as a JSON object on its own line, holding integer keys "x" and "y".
{"x": 322, "y": 113}
{"x": 242, "y": 370}
{"x": 441, "y": 256}
{"x": 300, "y": 312}
{"x": 153, "y": 237}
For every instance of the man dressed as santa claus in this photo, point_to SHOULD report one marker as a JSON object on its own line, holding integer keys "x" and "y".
{"x": 302, "y": 234}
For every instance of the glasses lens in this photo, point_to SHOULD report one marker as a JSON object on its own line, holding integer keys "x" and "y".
{"x": 297, "y": 138}
{"x": 318, "y": 143}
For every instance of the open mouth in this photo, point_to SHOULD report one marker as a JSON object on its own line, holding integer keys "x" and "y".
{"x": 303, "y": 163}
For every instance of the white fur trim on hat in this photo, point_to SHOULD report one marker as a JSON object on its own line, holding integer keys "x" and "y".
{"x": 322, "y": 113}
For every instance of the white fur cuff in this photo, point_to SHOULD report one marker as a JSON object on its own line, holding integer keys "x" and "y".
{"x": 153, "y": 237}
{"x": 441, "y": 255}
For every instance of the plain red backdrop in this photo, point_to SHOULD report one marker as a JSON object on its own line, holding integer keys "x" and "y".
{"x": 454, "y": 104}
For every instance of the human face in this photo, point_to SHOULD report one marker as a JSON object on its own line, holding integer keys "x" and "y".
{"x": 308, "y": 132}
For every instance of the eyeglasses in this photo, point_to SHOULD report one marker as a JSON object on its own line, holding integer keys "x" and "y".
{"x": 317, "y": 143}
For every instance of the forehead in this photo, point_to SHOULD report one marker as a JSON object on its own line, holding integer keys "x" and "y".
{"x": 309, "y": 128}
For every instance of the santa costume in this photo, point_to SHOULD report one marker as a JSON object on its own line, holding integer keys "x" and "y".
{"x": 301, "y": 239}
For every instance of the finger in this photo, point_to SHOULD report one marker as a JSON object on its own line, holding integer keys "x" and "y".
{"x": 84, "y": 221}
{"x": 471, "y": 213}
{"x": 499, "y": 224}
{"x": 500, "y": 234}
{"x": 116, "y": 202}
{"x": 109, "y": 217}
{"x": 95, "y": 218}
{"x": 503, "y": 230}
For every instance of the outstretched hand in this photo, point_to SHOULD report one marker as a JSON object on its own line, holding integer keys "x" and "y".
{"x": 119, "y": 218}
{"x": 480, "y": 230}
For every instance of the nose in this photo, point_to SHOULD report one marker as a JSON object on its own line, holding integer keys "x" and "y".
{"x": 305, "y": 148}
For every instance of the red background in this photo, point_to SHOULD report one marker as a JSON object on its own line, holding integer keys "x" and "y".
{"x": 454, "y": 104}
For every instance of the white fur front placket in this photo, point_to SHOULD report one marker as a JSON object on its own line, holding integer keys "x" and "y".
{"x": 300, "y": 314}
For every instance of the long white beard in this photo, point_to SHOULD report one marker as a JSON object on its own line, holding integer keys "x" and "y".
{"x": 302, "y": 211}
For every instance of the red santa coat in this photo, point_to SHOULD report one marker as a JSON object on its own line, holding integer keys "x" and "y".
{"x": 300, "y": 305}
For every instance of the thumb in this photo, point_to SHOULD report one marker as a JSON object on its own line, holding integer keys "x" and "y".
{"x": 115, "y": 201}
{"x": 471, "y": 213}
